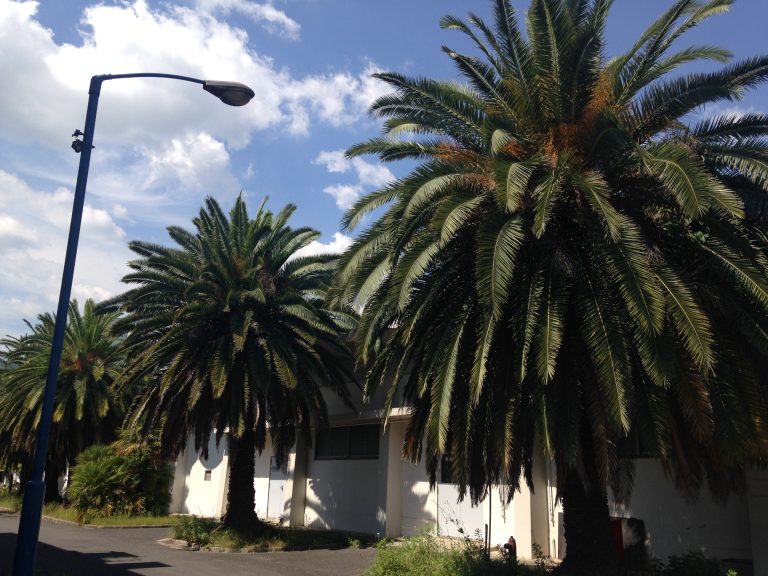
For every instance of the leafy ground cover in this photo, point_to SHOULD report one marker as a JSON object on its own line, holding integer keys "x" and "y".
{"x": 208, "y": 533}
{"x": 426, "y": 554}
{"x": 60, "y": 512}
{"x": 10, "y": 501}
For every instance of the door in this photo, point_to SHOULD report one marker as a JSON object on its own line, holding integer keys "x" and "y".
{"x": 277, "y": 497}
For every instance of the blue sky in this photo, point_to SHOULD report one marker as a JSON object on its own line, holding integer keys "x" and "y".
{"x": 162, "y": 146}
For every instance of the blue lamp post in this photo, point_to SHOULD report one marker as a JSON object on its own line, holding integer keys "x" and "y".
{"x": 232, "y": 93}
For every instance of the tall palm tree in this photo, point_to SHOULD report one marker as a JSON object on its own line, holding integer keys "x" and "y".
{"x": 569, "y": 264}
{"x": 229, "y": 332}
{"x": 86, "y": 411}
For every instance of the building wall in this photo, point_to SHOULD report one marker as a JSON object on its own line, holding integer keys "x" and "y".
{"x": 674, "y": 526}
{"x": 419, "y": 503}
{"x": 390, "y": 496}
{"x": 458, "y": 519}
{"x": 261, "y": 480}
{"x": 196, "y": 495}
{"x": 440, "y": 510}
{"x": 348, "y": 494}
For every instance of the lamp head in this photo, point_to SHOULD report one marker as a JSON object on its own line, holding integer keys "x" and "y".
{"x": 232, "y": 93}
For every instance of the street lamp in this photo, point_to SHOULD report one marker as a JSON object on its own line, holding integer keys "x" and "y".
{"x": 231, "y": 93}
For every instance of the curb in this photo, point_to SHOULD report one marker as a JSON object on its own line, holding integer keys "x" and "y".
{"x": 176, "y": 544}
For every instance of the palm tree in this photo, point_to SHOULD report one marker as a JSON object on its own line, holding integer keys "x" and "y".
{"x": 569, "y": 264}
{"x": 230, "y": 333}
{"x": 86, "y": 409}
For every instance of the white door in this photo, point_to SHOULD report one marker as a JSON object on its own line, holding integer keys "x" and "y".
{"x": 277, "y": 497}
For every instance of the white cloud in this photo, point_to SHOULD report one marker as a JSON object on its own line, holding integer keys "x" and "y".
{"x": 344, "y": 194}
{"x": 338, "y": 245}
{"x": 84, "y": 291}
{"x": 155, "y": 139}
{"x": 734, "y": 111}
{"x": 13, "y": 230}
{"x": 197, "y": 161}
{"x": 120, "y": 211}
{"x": 334, "y": 161}
{"x": 339, "y": 99}
{"x": 368, "y": 175}
{"x": 160, "y": 145}
{"x": 46, "y": 82}
{"x": 31, "y": 261}
{"x": 274, "y": 21}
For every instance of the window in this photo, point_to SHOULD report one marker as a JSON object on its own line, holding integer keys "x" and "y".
{"x": 348, "y": 443}
{"x": 446, "y": 475}
{"x": 207, "y": 477}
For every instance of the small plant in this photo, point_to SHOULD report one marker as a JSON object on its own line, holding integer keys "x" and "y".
{"x": 354, "y": 542}
{"x": 195, "y": 530}
{"x": 692, "y": 564}
{"x": 425, "y": 554}
{"x": 10, "y": 500}
{"x": 538, "y": 556}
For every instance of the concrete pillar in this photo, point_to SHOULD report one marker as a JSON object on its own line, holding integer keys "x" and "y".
{"x": 296, "y": 484}
{"x": 394, "y": 460}
{"x": 540, "y": 510}
{"x": 179, "y": 486}
{"x": 222, "y": 500}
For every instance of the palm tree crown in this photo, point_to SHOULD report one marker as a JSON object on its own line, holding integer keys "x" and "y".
{"x": 230, "y": 334}
{"x": 570, "y": 262}
{"x": 87, "y": 409}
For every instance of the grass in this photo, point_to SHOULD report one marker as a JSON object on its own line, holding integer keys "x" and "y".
{"x": 208, "y": 534}
{"x": 60, "y": 512}
{"x": 425, "y": 554}
{"x": 10, "y": 501}
{"x": 70, "y": 514}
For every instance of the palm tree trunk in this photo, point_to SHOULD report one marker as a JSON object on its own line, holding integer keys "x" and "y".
{"x": 590, "y": 550}
{"x": 241, "y": 514}
{"x": 52, "y": 473}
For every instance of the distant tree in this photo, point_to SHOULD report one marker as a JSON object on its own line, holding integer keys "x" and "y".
{"x": 86, "y": 409}
{"x": 569, "y": 263}
{"x": 230, "y": 333}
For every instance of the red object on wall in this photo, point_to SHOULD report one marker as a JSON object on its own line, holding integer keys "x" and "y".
{"x": 617, "y": 535}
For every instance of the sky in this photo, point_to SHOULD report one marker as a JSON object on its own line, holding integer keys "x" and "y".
{"x": 162, "y": 146}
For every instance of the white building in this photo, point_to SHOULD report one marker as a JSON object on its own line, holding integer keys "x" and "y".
{"x": 354, "y": 479}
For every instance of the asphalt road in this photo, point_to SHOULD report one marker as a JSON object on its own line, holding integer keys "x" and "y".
{"x": 66, "y": 550}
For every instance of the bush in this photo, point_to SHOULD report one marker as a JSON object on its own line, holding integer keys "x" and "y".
{"x": 692, "y": 564}
{"x": 195, "y": 530}
{"x": 424, "y": 554}
{"x": 125, "y": 478}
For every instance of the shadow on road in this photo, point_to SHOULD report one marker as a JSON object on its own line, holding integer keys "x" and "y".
{"x": 53, "y": 561}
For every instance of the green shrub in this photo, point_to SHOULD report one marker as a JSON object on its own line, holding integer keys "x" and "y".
{"x": 693, "y": 564}
{"x": 424, "y": 554}
{"x": 125, "y": 478}
{"x": 195, "y": 530}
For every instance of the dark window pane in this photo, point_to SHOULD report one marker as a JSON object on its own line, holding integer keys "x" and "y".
{"x": 364, "y": 441}
{"x": 446, "y": 476}
{"x": 332, "y": 443}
